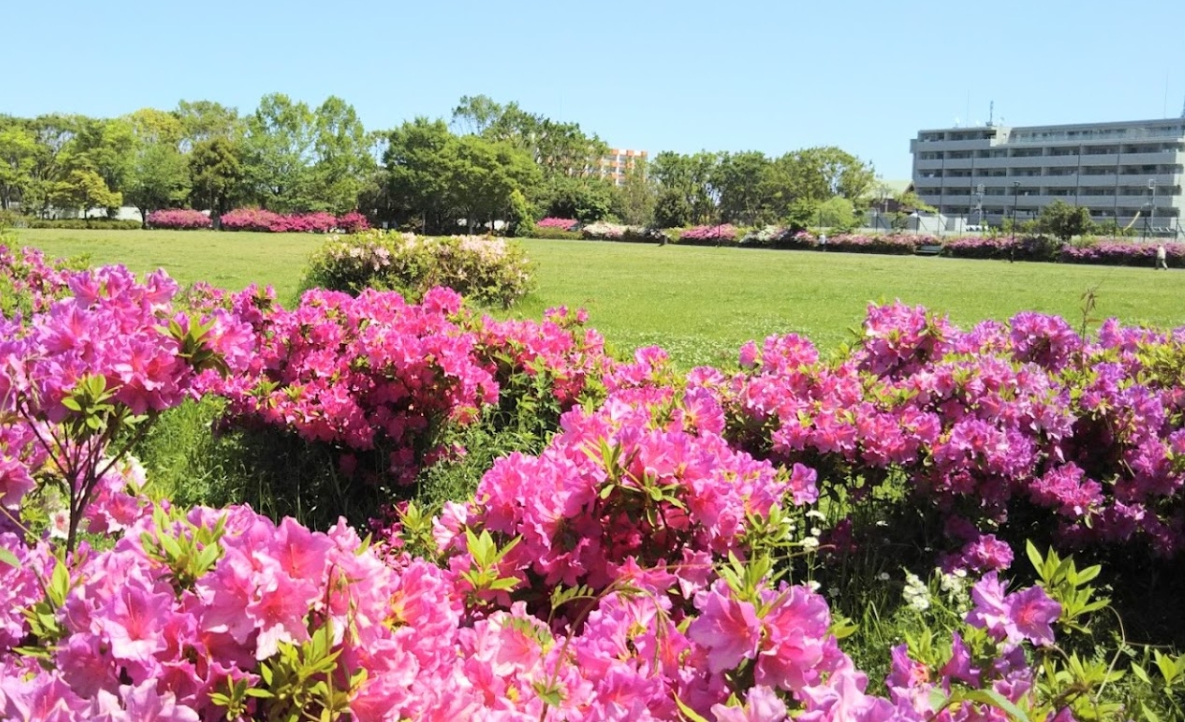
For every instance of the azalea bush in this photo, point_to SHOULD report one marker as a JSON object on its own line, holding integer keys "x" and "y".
{"x": 725, "y": 234}
{"x": 264, "y": 221}
{"x": 804, "y": 538}
{"x": 179, "y": 219}
{"x": 490, "y": 271}
{"x": 563, "y": 224}
{"x": 605, "y": 231}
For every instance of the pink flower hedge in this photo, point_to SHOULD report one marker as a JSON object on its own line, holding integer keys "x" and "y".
{"x": 178, "y": 219}
{"x": 564, "y": 224}
{"x": 710, "y": 235}
{"x": 259, "y": 220}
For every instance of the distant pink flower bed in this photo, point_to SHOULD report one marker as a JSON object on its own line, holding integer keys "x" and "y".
{"x": 178, "y": 219}
{"x": 725, "y": 233}
{"x": 564, "y": 224}
{"x": 264, "y": 221}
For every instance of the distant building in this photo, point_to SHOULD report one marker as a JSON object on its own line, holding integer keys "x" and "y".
{"x": 1127, "y": 172}
{"x": 618, "y": 161}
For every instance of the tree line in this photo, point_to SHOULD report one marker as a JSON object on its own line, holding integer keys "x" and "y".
{"x": 488, "y": 161}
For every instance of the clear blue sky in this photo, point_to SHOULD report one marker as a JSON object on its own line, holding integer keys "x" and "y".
{"x": 683, "y": 76}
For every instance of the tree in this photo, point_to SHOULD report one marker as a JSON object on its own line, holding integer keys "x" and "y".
{"x": 215, "y": 175}
{"x": 743, "y": 181}
{"x": 685, "y": 185}
{"x": 342, "y": 160}
{"x": 585, "y": 198}
{"x": 84, "y": 189}
{"x": 104, "y": 146}
{"x": 18, "y": 157}
{"x": 636, "y": 197}
{"x": 204, "y": 120}
{"x": 416, "y": 164}
{"x": 1064, "y": 221}
{"x": 276, "y": 154}
{"x": 559, "y": 149}
{"x": 159, "y": 179}
{"x": 482, "y": 176}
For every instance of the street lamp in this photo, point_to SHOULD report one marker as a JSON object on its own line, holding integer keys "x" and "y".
{"x": 1152, "y": 205}
{"x": 1015, "y": 191}
{"x": 979, "y": 203}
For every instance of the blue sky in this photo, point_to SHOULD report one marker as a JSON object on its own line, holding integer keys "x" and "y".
{"x": 683, "y": 76}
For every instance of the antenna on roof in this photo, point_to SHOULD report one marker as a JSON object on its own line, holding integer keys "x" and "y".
{"x": 1183, "y": 111}
{"x": 991, "y": 112}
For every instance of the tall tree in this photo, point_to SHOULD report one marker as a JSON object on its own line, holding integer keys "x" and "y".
{"x": 84, "y": 189}
{"x": 205, "y": 120}
{"x": 636, "y": 196}
{"x": 18, "y": 157}
{"x": 743, "y": 181}
{"x": 159, "y": 179}
{"x": 417, "y": 163}
{"x": 482, "y": 177}
{"x": 276, "y": 153}
{"x": 215, "y": 175}
{"x": 342, "y": 156}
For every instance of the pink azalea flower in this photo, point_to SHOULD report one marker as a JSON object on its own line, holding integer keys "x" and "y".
{"x": 727, "y": 628}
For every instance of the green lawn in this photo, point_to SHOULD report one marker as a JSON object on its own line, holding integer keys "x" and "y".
{"x": 700, "y": 304}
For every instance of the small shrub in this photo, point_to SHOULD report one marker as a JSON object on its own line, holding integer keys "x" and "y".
{"x": 489, "y": 271}
{"x": 555, "y": 234}
{"x": 180, "y": 219}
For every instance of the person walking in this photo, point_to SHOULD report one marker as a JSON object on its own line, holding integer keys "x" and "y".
{"x": 1161, "y": 258}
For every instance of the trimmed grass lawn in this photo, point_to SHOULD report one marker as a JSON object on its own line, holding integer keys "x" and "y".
{"x": 700, "y": 304}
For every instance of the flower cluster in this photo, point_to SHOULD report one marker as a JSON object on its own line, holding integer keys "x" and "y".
{"x": 263, "y": 221}
{"x": 711, "y": 235}
{"x": 985, "y": 423}
{"x": 603, "y": 231}
{"x": 365, "y": 372}
{"x": 180, "y": 219}
{"x": 28, "y": 282}
{"x": 1121, "y": 253}
{"x": 564, "y": 224}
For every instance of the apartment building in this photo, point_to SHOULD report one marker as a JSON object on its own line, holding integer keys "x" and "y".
{"x": 619, "y": 160}
{"x": 1127, "y": 172}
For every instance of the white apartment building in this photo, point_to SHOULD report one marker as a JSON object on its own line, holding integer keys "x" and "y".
{"x": 1129, "y": 172}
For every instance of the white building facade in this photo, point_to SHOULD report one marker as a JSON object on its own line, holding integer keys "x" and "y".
{"x": 1130, "y": 173}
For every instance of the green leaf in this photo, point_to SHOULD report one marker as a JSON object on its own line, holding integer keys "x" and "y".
{"x": 1149, "y": 714}
{"x": 994, "y": 698}
{"x": 688, "y": 713}
{"x": 9, "y": 558}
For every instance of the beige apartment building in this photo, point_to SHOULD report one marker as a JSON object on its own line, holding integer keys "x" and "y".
{"x": 1127, "y": 172}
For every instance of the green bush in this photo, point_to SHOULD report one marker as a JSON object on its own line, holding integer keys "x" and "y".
{"x": 77, "y": 224}
{"x": 487, "y": 271}
{"x": 554, "y": 234}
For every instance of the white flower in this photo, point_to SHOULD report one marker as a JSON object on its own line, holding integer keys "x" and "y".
{"x": 883, "y": 576}
{"x": 59, "y": 524}
{"x": 916, "y": 593}
{"x": 810, "y": 543}
{"x": 816, "y": 531}
{"x": 815, "y": 514}
{"x": 813, "y": 585}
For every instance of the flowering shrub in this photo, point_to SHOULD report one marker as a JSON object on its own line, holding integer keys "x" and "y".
{"x": 602, "y": 231}
{"x": 564, "y": 224}
{"x": 879, "y": 243}
{"x": 178, "y": 219}
{"x": 353, "y": 222}
{"x": 263, "y": 221}
{"x": 709, "y": 235}
{"x": 29, "y": 283}
{"x": 484, "y": 270}
{"x": 1121, "y": 253}
{"x": 985, "y": 424}
{"x": 644, "y": 565}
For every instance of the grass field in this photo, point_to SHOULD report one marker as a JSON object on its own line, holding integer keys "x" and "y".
{"x": 700, "y": 304}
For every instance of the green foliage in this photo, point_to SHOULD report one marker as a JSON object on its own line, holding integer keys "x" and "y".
{"x": 302, "y": 682}
{"x": 186, "y": 549}
{"x": 78, "y": 224}
{"x": 215, "y": 175}
{"x": 491, "y": 272}
{"x": 837, "y": 214}
{"x": 1065, "y": 221}
{"x": 555, "y": 234}
{"x": 587, "y": 199}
